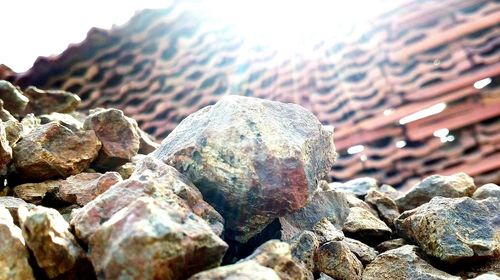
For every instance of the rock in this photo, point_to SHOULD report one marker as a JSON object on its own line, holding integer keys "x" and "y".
{"x": 153, "y": 239}
{"x": 363, "y": 225}
{"x": 487, "y": 276}
{"x": 47, "y": 235}
{"x": 13, "y": 253}
{"x": 277, "y": 256}
{"x": 331, "y": 204}
{"x": 488, "y": 190}
{"x": 384, "y": 204}
{"x": 390, "y": 244}
{"x": 54, "y": 151}
{"x": 36, "y": 192}
{"x": 12, "y": 204}
{"x": 359, "y": 186}
{"x": 65, "y": 119}
{"x": 13, "y": 131}
{"x": 336, "y": 260}
{"x": 403, "y": 263}
{"x": 154, "y": 179}
{"x": 128, "y": 168}
{"x": 453, "y": 229}
{"x": 457, "y": 185}
{"x": 28, "y": 123}
{"x": 5, "y": 149}
{"x": 48, "y": 101}
{"x": 13, "y": 99}
{"x": 254, "y": 159}
{"x": 323, "y": 276}
{"x": 356, "y": 202}
{"x": 326, "y": 231}
{"x": 303, "y": 248}
{"x": 363, "y": 252}
{"x": 390, "y": 191}
{"x": 249, "y": 270}
{"x": 82, "y": 188}
{"x": 118, "y": 135}
{"x": 66, "y": 211}
{"x": 147, "y": 144}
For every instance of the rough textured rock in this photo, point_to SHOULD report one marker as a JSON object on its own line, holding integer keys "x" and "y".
{"x": 128, "y": 168}
{"x": 303, "y": 248}
{"x": 326, "y": 231}
{"x": 65, "y": 119}
{"x": 12, "y": 204}
{"x": 488, "y": 190}
{"x": 390, "y": 244}
{"x": 118, "y": 135}
{"x": 487, "y": 276}
{"x": 82, "y": 188}
{"x": 5, "y": 149}
{"x": 277, "y": 256}
{"x": 147, "y": 144}
{"x": 249, "y": 270}
{"x": 390, "y": 191}
{"x": 356, "y": 202}
{"x": 385, "y": 206}
{"x": 363, "y": 225}
{"x": 330, "y": 204}
{"x": 452, "y": 229}
{"x": 13, "y": 253}
{"x": 28, "y": 123}
{"x": 363, "y": 252}
{"x": 52, "y": 150}
{"x": 48, "y": 101}
{"x": 457, "y": 185}
{"x": 36, "y": 192}
{"x": 336, "y": 260}
{"x": 358, "y": 186}
{"x": 13, "y": 99}
{"x": 154, "y": 179}
{"x": 152, "y": 239}
{"x": 403, "y": 263}
{"x": 255, "y": 159}
{"x": 47, "y": 235}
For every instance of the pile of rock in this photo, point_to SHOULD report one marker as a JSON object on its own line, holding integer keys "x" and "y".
{"x": 236, "y": 191}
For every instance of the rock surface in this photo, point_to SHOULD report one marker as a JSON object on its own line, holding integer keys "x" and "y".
{"x": 52, "y": 151}
{"x": 13, "y": 98}
{"x": 65, "y": 119}
{"x": 363, "y": 225}
{"x": 254, "y": 159}
{"x": 5, "y": 149}
{"x": 152, "y": 239}
{"x": 12, "y": 204}
{"x": 403, "y": 263}
{"x": 488, "y": 190}
{"x": 358, "y": 186}
{"x": 326, "y": 231}
{"x": 13, "y": 253}
{"x": 453, "y": 229}
{"x": 303, "y": 248}
{"x": 84, "y": 187}
{"x": 48, "y": 101}
{"x": 249, "y": 270}
{"x": 456, "y": 185}
{"x": 363, "y": 252}
{"x": 391, "y": 244}
{"x": 36, "y": 192}
{"x": 336, "y": 260}
{"x": 384, "y": 204}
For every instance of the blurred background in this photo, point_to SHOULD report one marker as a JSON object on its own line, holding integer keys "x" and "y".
{"x": 411, "y": 87}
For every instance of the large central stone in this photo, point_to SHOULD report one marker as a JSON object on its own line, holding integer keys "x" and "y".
{"x": 253, "y": 159}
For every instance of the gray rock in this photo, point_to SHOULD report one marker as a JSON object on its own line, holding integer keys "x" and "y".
{"x": 363, "y": 225}
{"x": 253, "y": 159}
{"x": 12, "y": 204}
{"x": 385, "y": 205}
{"x": 488, "y": 190}
{"x": 326, "y": 231}
{"x": 358, "y": 186}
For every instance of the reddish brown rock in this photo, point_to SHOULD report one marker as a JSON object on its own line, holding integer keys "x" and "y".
{"x": 48, "y": 101}
{"x": 253, "y": 159}
{"x": 384, "y": 204}
{"x": 336, "y": 260}
{"x": 118, "y": 135}
{"x": 363, "y": 225}
{"x": 13, "y": 253}
{"x": 249, "y": 270}
{"x": 82, "y": 188}
{"x": 47, "y": 235}
{"x": 457, "y": 185}
{"x": 36, "y": 192}
{"x": 52, "y": 151}
{"x": 153, "y": 239}
{"x": 13, "y": 99}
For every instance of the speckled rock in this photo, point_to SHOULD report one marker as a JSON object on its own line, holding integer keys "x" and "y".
{"x": 363, "y": 252}
{"x": 390, "y": 244}
{"x": 401, "y": 264}
{"x": 457, "y": 185}
{"x": 47, "y": 235}
{"x": 488, "y": 190}
{"x": 13, "y": 99}
{"x": 390, "y": 191}
{"x": 254, "y": 159}
{"x": 249, "y": 270}
{"x": 353, "y": 201}
{"x": 12, "y": 204}
{"x": 453, "y": 229}
{"x": 36, "y": 192}
{"x": 326, "y": 231}
{"x": 128, "y": 168}
{"x": 118, "y": 135}
{"x": 13, "y": 253}
{"x": 48, "y": 101}
{"x": 5, "y": 149}
{"x": 385, "y": 206}
{"x": 277, "y": 256}
{"x": 153, "y": 239}
{"x": 303, "y": 248}
{"x": 330, "y": 204}
{"x": 336, "y": 260}
{"x": 52, "y": 151}
{"x": 82, "y": 188}
{"x": 363, "y": 225}
{"x": 358, "y": 186}
{"x": 65, "y": 119}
